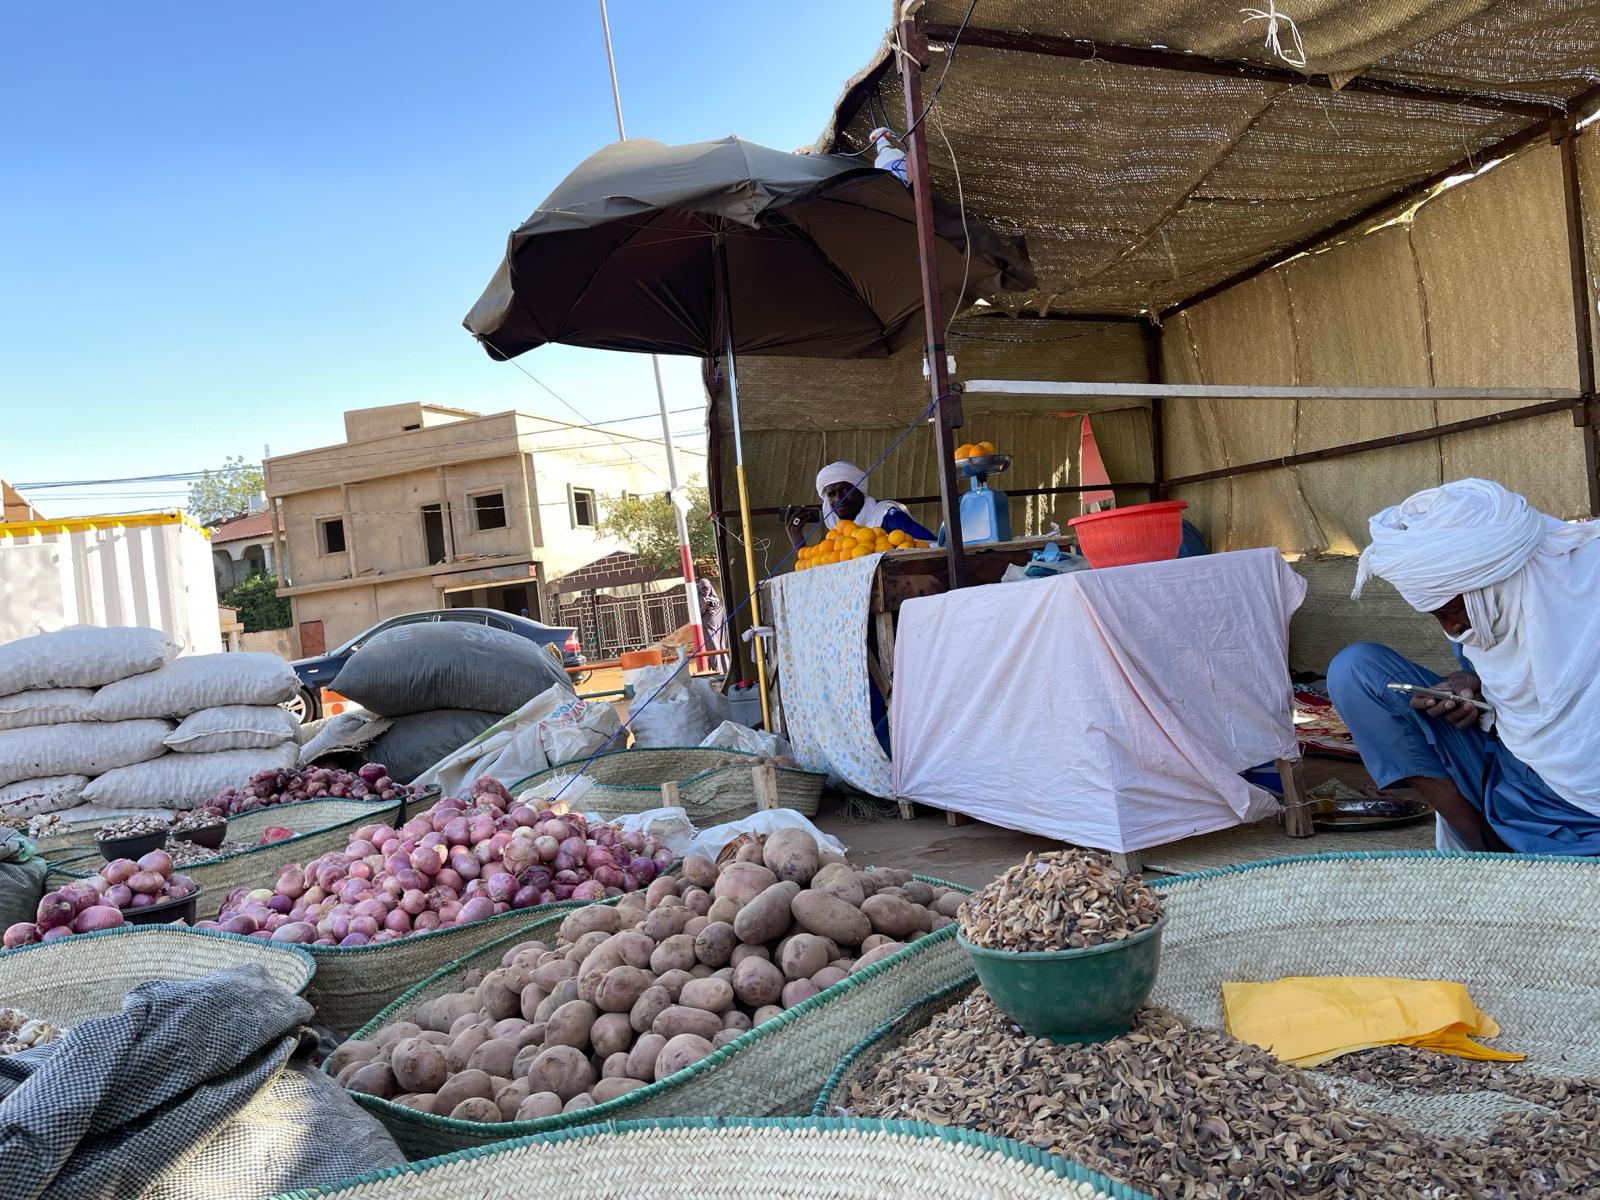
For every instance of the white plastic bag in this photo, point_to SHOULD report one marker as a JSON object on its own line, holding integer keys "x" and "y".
{"x": 184, "y": 780}
{"x": 78, "y": 748}
{"x": 578, "y": 728}
{"x": 45, "y": 706}
{"x": 30, "y": 797}
{"x": 509, "y": 750}
{"x": 186, "y": 685}
{"x": 570, "y": 789}
{"x": 731, "y": 735}
{"x": 671, "y": 708}
{"x": 81, "y": 656}
{"x": 234, "y": 727}
{"x": 669, "y": 826}
{"x": 710, "y": 842}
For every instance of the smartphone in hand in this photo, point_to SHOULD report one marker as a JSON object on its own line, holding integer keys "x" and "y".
{"x": 1414, "y": 690}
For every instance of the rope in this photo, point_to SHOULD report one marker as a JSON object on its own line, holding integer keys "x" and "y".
{"x": 1273, "y": 42}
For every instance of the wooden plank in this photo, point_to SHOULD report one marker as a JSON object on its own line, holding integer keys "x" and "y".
{"x": 766, "y": 783}
{"x": 1296, "y": 808}
{"x": 669, "y": 795}
{"x": 1130, "y": 863}
{"x": 1216, "y": 391}
{"x": 954, "y": 819}
{"x": 884, "y": 624}
{"x": 908, "y": 811}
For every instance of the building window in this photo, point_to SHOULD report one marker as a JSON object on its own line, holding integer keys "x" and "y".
{"x": 433, "y": 533}
{"x": 585, "y": 512}
{"x": 489, "y": 510}
{"x": 331, "y": 534}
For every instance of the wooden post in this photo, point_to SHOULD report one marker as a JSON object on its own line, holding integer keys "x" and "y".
{"x": 669, "y": 795}
{"x": 1130, "y": 862}
{"x": 766, "y": 782}
{"x": 1296, "y": 808}
{"x": 954, "y": 819}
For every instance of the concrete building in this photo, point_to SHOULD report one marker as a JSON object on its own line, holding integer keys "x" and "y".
{"x": 424, "y": 507}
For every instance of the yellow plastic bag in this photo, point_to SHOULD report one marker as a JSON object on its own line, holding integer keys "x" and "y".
{"x": 1307, "y": 1020}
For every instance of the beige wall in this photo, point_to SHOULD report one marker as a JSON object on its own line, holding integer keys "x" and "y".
{"x": 1475, "y": 290}
{"x": 270, "y": 641}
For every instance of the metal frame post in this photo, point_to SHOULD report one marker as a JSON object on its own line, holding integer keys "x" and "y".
{"x": 1565, "y": 134}
{"x": 947, "y": 414}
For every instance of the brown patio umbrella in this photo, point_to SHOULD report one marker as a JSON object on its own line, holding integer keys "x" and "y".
{"x": 732, "y": 247}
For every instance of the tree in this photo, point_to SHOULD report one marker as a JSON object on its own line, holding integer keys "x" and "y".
{"x": 647, "y": 526}
{"x": 260, "y": 607}
{"x": 218, "y": 495}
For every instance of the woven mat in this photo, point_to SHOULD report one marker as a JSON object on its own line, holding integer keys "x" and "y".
{"x": 1266, "y": 839}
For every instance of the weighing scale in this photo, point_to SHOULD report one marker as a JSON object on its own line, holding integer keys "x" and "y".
{"x": 985, "y": 513}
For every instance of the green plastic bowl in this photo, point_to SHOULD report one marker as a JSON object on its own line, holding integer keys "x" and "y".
{"x": 1088, "y": 995}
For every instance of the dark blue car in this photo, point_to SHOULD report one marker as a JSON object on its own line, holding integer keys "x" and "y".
{"x": 318, "y": 672}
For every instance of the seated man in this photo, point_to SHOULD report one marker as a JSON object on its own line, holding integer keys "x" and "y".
{"x": 1517, "y": 592}
{"x": 839, "y": 488}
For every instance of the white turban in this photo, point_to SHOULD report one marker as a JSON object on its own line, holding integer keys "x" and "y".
{"x": 838, "y": 472}
{"x": 1529, "y": 583}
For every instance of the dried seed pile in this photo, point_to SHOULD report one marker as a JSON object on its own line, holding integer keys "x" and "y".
{"x": 1192, "y": 1112}
{"x": 132, "y": 827}
{"x": 197, "y": 818}
{"x": 187, "y": 854}
{"x": 1064, "y": 900}
{"x": 19, "y": 1032}
{"x": 47, "y": 825}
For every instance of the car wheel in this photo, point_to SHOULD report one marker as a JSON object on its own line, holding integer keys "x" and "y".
{"x": 304, "y": 706}
{"x": 580, "y": 677}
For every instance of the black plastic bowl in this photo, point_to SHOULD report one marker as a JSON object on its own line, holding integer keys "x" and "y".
{"x": 209, "y": 836}
{"x": 165, "y": 912}
{"x": 131, "y": 847}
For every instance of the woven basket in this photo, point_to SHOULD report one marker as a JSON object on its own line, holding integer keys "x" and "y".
{"x": 834, "y": 1098}
{"x": 319, "y": 825}
{"x": 72, "y": 978}
{"x": 774, "y": 1070}
{"x": 1520, "y": 932}
{"x": 711, "y": 788}
{"x": 748, "y": 1159}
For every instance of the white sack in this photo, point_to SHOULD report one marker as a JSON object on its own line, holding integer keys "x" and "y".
{"x": 81, "y": 656}
{"x": 1113, "y": 708}
{"x": 30, "y": 797}
{"x": 45, "y": 706}
{"x": 234, "y": 727}
{"x": 578, "y": 729}
{"x": 709, "y": 842}
{"x": 78, "y": 748}
{"x": 570, "y": 788}
{"x": 347, "y": 731}
{"x": 672, "y": 708}
{"x": 731, "y": 735}
{"x": 509, "y": 750}
{"x": 184, "y": 780}
{"x": 186, "y": 685}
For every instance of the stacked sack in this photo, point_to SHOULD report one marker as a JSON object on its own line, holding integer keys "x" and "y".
{"x": 107, "y": 717}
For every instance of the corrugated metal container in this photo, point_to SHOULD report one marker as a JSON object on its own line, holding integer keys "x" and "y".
{"x": 150, "y": 569}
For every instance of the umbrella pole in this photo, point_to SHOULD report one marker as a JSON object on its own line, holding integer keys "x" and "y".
{"x": 749, "y": 552}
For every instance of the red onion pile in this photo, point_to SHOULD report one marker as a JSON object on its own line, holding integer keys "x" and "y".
{"x": 463, "y": 860}
{"x": 285, "y": 785}
{"x": 98, "y": 902}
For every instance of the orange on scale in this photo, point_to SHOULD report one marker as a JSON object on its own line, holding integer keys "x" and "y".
{"x": 847, "y": 540}
{"x": 974, "y": 450}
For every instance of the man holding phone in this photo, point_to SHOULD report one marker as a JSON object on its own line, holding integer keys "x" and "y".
{"x": 1517, "y": 592}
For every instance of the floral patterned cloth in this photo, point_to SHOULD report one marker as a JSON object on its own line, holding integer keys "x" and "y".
{"x": 821, "y": 616}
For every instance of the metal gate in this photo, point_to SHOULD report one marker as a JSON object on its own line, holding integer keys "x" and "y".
{"x": 611, "y": 625}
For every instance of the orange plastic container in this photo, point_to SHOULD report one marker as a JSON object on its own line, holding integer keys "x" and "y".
{"x": 1137, "y": 534}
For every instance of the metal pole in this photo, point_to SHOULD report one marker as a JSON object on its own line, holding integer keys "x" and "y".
{"x": 1567, "y": 135}
{"x": 720, "y": 249}
{"x": 691, "y": 592}
{"x": 913, "y": 58}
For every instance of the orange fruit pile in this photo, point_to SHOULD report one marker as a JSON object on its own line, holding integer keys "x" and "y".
{"x": 974, "y": 450}
{"x": 847, "y": 540}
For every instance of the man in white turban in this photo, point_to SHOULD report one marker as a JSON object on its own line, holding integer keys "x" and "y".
{"x": 841, "y": 488}
{"x": 1517, "y": 592}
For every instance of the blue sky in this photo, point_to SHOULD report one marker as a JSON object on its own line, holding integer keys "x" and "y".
{"x": 224, "y": 224}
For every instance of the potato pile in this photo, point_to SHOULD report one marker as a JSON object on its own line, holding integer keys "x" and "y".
{"x": 637, "y": 991}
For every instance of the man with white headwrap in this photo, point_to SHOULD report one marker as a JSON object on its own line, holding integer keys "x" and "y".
{"x": 1517, "y": 592}
{"x": 840, "y": 488}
